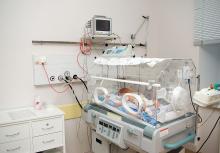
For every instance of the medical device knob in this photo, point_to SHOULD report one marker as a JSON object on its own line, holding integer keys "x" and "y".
{"x": 132, "y": 132}
{"x": 93, "y": 115}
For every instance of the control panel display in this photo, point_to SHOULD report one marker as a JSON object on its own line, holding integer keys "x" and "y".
{"x": 109, "y": 130}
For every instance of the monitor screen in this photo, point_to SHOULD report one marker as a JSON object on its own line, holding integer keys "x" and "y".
{"x": 103, "y": 25}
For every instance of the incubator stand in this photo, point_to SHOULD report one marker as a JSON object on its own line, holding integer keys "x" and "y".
{"x": 147, "y": 98}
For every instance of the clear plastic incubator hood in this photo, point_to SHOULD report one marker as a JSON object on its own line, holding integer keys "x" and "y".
{"x": 152, "y": 91}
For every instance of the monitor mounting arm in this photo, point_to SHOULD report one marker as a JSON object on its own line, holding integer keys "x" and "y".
{"x": 133, "y": 36}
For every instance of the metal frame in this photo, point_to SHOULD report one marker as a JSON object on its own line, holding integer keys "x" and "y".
{"x": 41, "y": 42}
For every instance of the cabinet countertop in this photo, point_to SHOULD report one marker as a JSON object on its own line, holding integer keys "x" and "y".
{"x": 28, "y": 113}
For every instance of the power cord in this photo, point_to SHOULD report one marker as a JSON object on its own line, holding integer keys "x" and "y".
{"x": 74, "y": 93}
{"x": 209, "y": 134}
{"x": 204, "y": 122}
{"x": 78, "y": 62}
{"x": 190, "y": 93}
{"x": 76, "y": 77}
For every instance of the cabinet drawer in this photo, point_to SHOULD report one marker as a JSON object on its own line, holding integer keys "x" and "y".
{"x": 47, "y": 126}
{"x": 49, "y": 141}
{"x": 14, "y": 132}
{"x": 22, "y": 146}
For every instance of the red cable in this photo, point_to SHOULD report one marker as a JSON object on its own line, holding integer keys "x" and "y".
{"x": 85, "y": 46}
{"x": 51, "y": 86}
{"x": 85, "y": 49}
{"x": 84, "y": 70}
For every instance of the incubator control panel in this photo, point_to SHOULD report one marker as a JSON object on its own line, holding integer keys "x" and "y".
{"x": 109, "y": 130}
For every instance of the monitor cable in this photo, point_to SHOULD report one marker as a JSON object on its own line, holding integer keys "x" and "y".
{"x": 80, "y": 105}
{"x": 76, "y": 77}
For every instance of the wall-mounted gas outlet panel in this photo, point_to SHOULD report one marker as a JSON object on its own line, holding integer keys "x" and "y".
{"x": 57, "y": 67}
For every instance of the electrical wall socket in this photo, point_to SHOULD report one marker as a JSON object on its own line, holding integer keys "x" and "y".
{"x": 41, "y": 60}
{"x": 57, "y": 67}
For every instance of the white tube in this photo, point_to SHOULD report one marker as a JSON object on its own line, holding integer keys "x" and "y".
{"x": 121, "y": 80}
{"x": 139, "y": 100}
{"x": 102, "y": 89}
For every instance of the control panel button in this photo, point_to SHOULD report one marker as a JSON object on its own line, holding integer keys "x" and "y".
{"x": 109, "y": 130}
{"x": 116, "y": 135}
{"x": 113, "y": 136}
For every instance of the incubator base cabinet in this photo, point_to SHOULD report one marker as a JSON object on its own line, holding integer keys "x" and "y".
{"x": 141, "y": 103}
{"x": 125, "y": 133}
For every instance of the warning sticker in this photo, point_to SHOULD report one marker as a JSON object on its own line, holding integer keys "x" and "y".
{"x": 164, "y": 132}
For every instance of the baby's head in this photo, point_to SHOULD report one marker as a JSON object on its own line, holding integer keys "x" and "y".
{"x": 123, "y": 91}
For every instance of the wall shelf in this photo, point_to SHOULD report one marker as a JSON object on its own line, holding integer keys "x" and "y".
{"x": 41, "y": 42}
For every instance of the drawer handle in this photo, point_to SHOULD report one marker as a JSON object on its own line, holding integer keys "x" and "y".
{"x": 48, "y": 128}
{"x": 49, "y": 141}
{"x": 14, "y": 149}
{"x": 12, "y": 135}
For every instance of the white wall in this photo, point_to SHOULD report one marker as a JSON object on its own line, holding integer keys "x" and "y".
{"x": 26, "y": 20}
{"x": 174, "y": 19}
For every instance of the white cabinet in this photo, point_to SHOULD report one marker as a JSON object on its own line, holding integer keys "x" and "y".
{"x": 22, "y": 146}
{"x": 14, "y": 132}
{"x": 48, "y": 141}
{"x": 41, "y": 130}
{"x": 47, "y": 126}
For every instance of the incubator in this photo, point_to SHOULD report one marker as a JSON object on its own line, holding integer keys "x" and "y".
{"x": 142, "y": 103}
